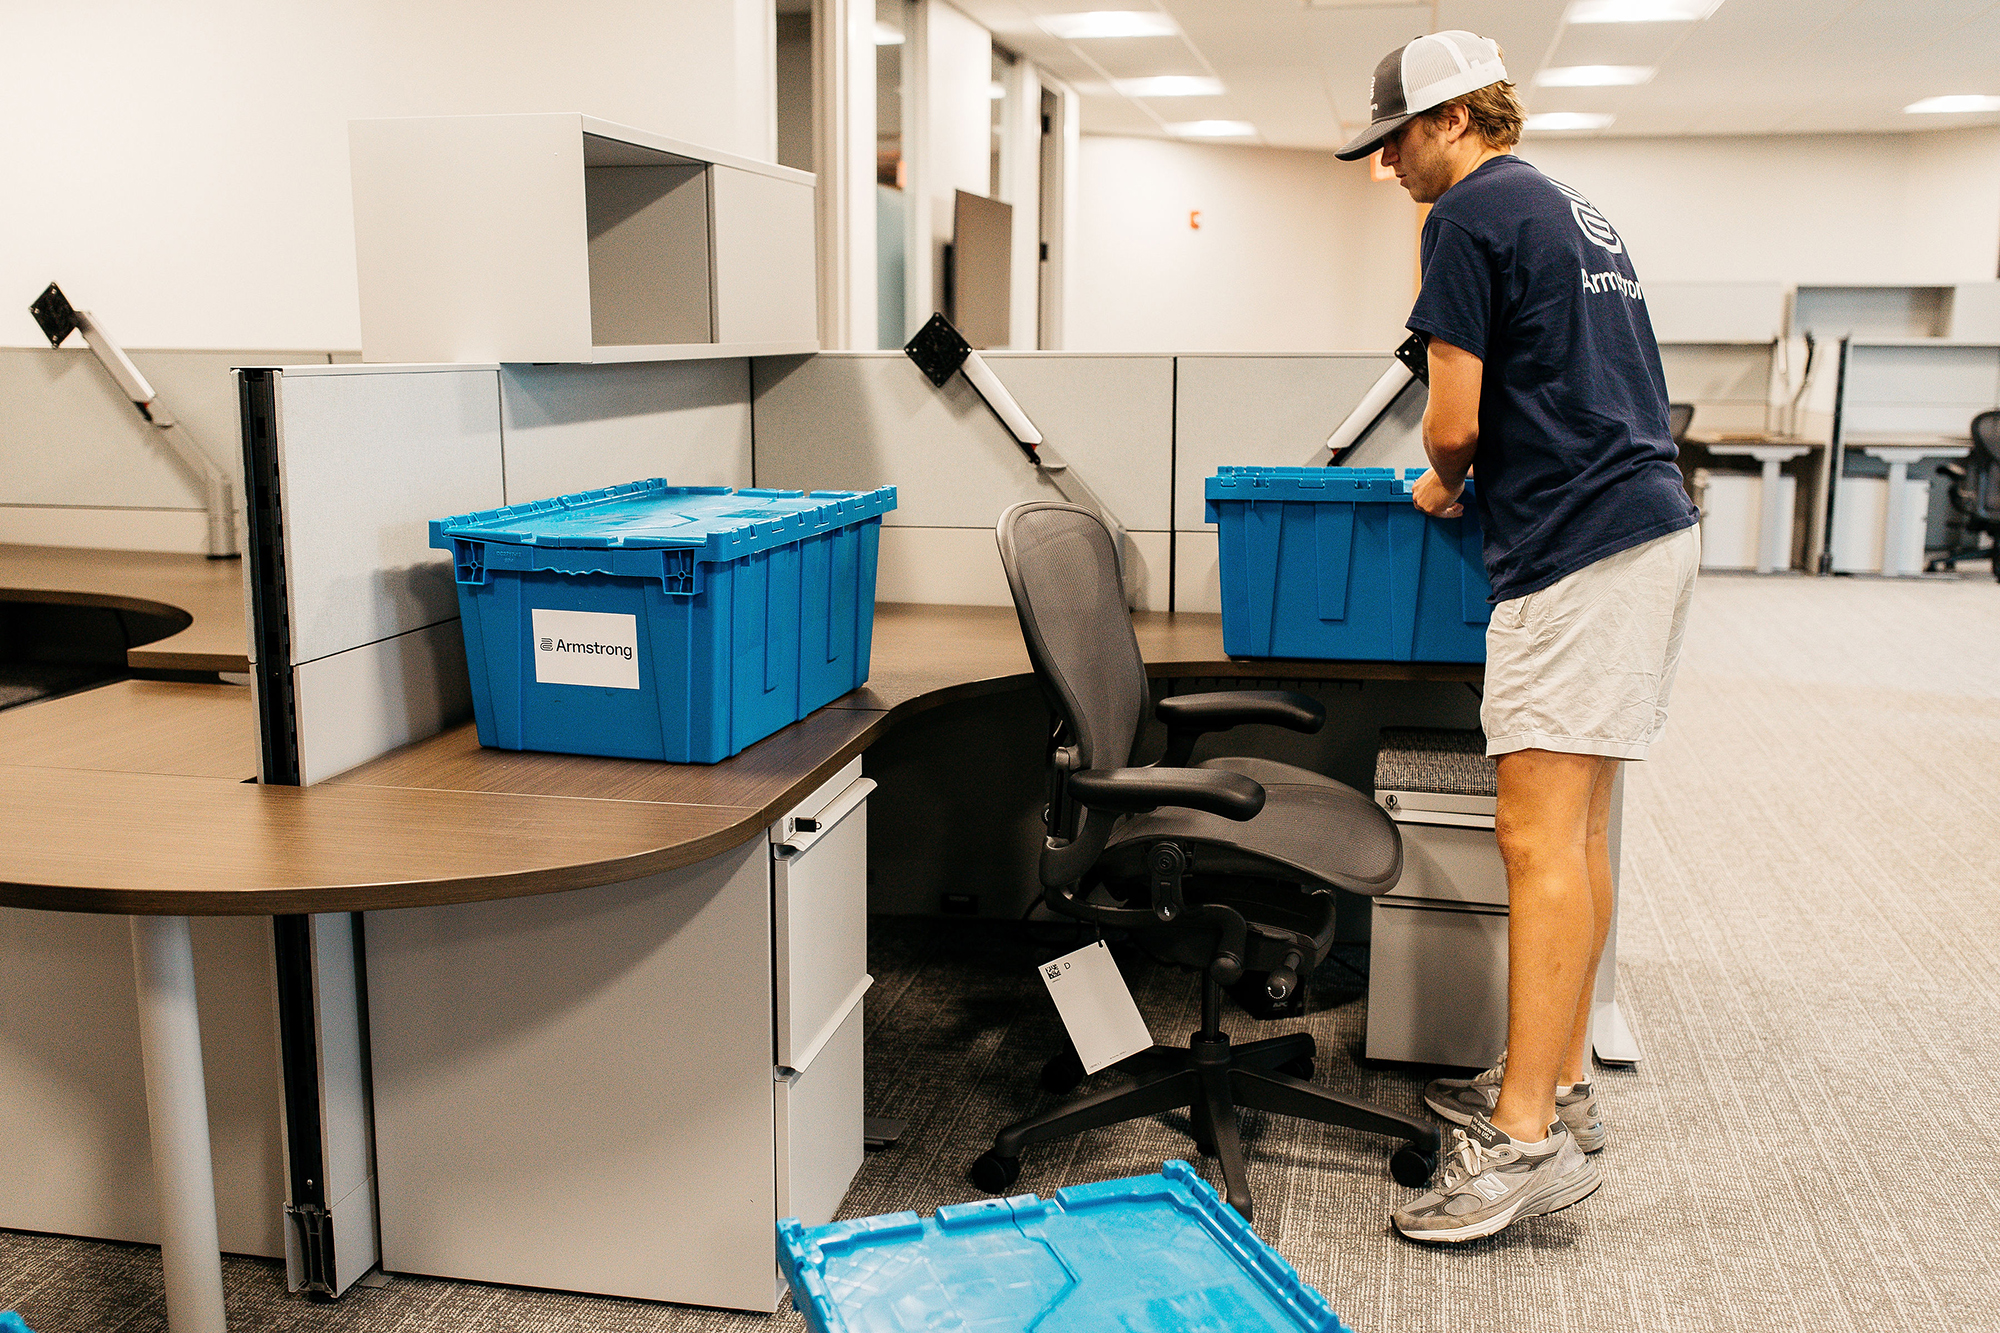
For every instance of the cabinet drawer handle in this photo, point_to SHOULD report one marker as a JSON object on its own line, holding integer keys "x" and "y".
{"x": 795, "y": 833}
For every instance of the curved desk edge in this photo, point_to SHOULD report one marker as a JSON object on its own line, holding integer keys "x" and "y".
{"x": 208, "y": 592}
{"x": 640, "y": 834}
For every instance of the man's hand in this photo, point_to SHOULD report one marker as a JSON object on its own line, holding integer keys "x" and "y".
{"x": 1432, "y": 496}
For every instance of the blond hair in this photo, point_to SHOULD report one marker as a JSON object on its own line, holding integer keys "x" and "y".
{"x": 1494, "y": 112}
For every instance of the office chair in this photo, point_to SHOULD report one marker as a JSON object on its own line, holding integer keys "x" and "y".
{"x": 1975, "y": 497}
{"x": 1679, "y": 417}
{"x": 1227, "y": 867}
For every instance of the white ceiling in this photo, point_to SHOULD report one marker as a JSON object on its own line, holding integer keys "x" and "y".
{"x": 1300, "y": 72}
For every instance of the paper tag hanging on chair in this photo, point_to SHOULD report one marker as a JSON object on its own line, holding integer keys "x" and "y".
{"x": 1096, "y": 1006}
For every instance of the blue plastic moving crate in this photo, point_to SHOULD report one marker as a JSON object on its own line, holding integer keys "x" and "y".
{"x": 650, "y": 621}
{"x": 1335, "y": 562}
{"x": 1153, "y": 1254}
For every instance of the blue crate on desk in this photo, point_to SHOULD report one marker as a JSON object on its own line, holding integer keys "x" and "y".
{"x": 1152, "y": 1254}
{"x": 650, "y": 621}
{"x": 1337, "y": 563}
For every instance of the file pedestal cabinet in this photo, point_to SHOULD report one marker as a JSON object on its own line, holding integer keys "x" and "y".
{"x": 622, "y": 1089}
{"x": 1437, "y": 954}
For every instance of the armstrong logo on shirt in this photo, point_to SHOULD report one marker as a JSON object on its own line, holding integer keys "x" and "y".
{"x": 1595, "y": 229}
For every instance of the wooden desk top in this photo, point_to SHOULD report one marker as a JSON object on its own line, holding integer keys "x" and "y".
{"x": 444, "y": 821}
{"x": 209, "y": 592}
{"x": 137, "y": 726}
{"x": 1708, "y": 439}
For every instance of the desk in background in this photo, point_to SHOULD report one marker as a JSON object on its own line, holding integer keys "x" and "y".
{"x": 1904, "y": 519}
{"x": 1776, "y": 520}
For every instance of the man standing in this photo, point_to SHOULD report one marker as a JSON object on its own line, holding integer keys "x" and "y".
{"x": 1545, "y": 375}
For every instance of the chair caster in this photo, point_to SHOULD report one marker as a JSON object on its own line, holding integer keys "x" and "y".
{"x": 994, "y": 1173}
{"x": 1298, "y": 1067}
{"x": 1412, "y": 1166}
{"x": 1063, "y": 1072}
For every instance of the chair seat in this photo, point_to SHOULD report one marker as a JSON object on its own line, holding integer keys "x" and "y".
{"x": 1310, "y": 825}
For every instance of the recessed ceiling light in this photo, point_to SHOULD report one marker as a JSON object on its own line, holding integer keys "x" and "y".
{"x": 886, "y": 35}
{"x": 1594, "y": 76}
{"x": 1213, "y": 129}
{"x": 1958, "y": 102}
{"x": 1641, "y": 11}
{"x": 1110, "y": 23}
{"x": 1568, "y": 120}
{"x": 1170, "y": 85}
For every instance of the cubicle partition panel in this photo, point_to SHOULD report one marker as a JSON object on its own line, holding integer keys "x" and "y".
{"x": 1143, "y": 431}
{"x": 357, "y": 649}
{"x": 1267, "y": 411}
{"x": 80, "y": 467}
{"x": 851, "y": 421}
{"x": 572, "y": 428}
{"x": 78, "y": 1156}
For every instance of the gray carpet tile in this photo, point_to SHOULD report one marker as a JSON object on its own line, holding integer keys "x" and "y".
{"x": 1809, "y": 951}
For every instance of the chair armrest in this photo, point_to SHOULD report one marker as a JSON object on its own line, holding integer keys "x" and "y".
{"x": 1139, "y": 790}
{"x": 1191, "y": 716}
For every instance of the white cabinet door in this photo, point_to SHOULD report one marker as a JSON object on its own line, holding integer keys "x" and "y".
{"x": 1453, "y": 864}
{"x": 1437, "y": 983}
{"x": 819, "y": 915}
{"x": 819, "y": 1139}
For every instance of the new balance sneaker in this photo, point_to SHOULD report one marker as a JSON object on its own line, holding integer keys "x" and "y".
{"x": 1491, "y": 1180}
{"x": 1460, "y": 1099}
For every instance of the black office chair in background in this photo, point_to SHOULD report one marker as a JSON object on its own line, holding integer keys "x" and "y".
{"x": 1227, "y": 867}
{"x": 1975, "y": 498}
{"x": 1679, "y": 417}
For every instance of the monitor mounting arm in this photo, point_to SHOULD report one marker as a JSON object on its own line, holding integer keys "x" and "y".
{"x": 1412, "y": 365}
{"x": 940, "y": 351}
{"x": 58, "y": 319}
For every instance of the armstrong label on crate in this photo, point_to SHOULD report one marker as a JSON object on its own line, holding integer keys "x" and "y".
{"x": 586, "y": 648}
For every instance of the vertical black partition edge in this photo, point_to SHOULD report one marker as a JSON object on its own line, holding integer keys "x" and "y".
{"x": 270, "y": 636}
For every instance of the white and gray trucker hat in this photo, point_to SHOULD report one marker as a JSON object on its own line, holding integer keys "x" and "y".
{"x": 1419, "y": 75}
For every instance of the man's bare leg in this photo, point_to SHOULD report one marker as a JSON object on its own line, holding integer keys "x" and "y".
{"x": 1597, "y": 854}
{"x": 1543, "y": 822}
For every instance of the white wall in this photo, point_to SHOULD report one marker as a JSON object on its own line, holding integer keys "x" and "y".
{"x": 958, "y": 142}
{"x": 1839, "y": 208}
{"x": 180, "y": 167}
{"x": 1296, "y": 251}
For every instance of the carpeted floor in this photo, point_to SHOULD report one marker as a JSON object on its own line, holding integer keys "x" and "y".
{"x": 1810, "y": 952}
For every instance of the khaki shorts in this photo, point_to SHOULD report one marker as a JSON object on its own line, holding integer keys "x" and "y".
{"x": 1584, "y": 666}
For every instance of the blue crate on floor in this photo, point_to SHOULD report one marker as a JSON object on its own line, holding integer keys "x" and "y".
{"x": 1152, "y": 1254}
{"x": 1336, "y": 563}
{"x": 650, "y": 621}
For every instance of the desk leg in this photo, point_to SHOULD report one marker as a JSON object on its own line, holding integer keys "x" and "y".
{"x": 177, "y": 1107}
{"x": 1896, "y": 520}
{"x": 1774, "y": 532}
{"x": 1611, "y": 1037}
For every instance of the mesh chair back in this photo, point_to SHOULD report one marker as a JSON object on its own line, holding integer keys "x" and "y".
{"x": 1063, "y": 570}
{"x": 1982, "y": 467}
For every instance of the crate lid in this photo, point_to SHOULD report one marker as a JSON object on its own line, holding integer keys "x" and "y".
{"x": 1151, "y": 1254}
{"x": 1312, "y": 483}
{"x": 722, "y": 523}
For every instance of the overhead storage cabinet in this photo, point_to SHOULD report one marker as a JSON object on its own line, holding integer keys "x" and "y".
{"x": 560, "y": 237}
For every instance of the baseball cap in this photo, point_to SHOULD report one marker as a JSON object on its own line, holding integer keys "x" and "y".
{"x": 1422, "y": 74}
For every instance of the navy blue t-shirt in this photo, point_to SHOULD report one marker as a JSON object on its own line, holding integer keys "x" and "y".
{"x": 1575, "y": 459}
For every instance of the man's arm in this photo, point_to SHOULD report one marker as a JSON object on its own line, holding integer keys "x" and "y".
{"x": 1451, "y": 428}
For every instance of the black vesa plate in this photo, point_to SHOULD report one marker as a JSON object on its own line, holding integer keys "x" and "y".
{"x": 1415, "y": 352}
{"x": 54, "y": 313}
{"x": 938, "y": 349}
